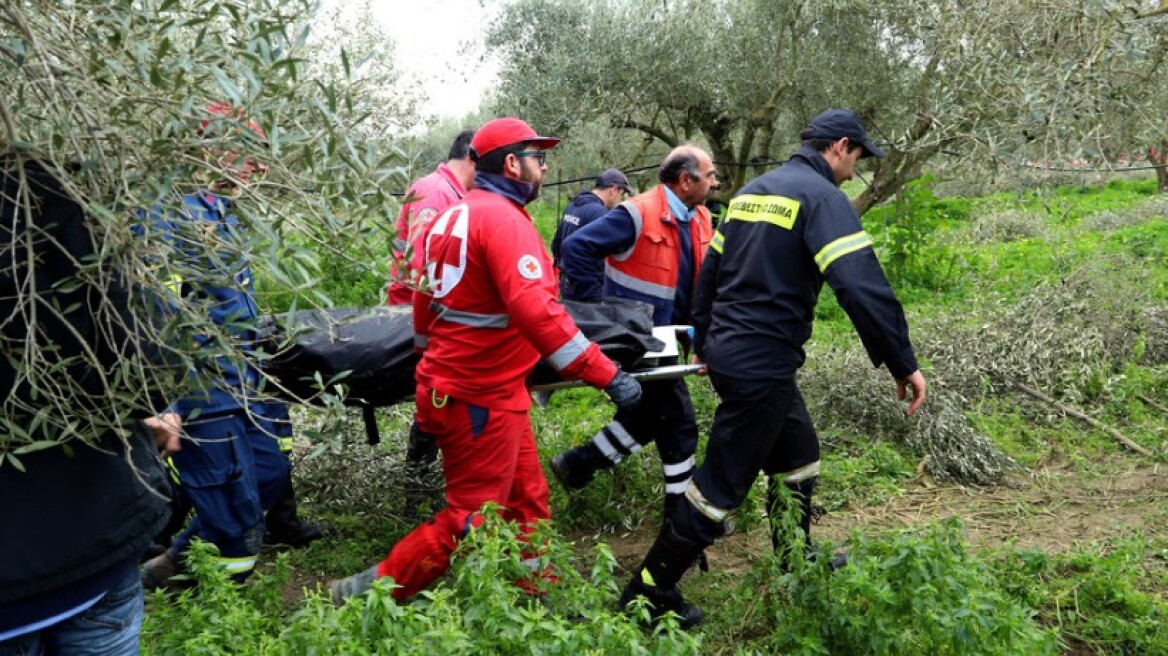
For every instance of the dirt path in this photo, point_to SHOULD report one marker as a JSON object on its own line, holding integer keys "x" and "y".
{"x": 1051, "y": 509}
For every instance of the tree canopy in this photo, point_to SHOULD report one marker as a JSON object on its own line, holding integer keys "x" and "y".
{"x": 981, "y": 83}
{"x": 111, "y": 98}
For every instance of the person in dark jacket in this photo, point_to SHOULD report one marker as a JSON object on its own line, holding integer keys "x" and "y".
{"x": 651, "y": 247}
{"x": 77, "y": 519}
{"x": 611, "y": 187}
{"x": 784, "y": 235}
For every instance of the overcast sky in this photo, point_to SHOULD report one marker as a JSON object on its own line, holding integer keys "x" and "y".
{"x": 432, "y": 37}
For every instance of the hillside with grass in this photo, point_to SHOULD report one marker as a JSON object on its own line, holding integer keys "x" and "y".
{"x": 1023, "y": 512}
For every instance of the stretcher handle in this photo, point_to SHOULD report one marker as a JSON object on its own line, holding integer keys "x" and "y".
{"x": 655, "y": 373}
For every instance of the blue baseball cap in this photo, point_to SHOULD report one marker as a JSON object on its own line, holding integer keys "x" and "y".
{"x": 840, "y": 123}
{"x": 613, "y": 178}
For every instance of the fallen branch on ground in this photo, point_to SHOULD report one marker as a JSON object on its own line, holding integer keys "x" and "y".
{"x": 1078, "y": 414}
{"x": 1152, "y": 403}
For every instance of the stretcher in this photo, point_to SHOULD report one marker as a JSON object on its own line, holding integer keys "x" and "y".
{"x": 370, "y": 351}
{"x": 650, "y": 366}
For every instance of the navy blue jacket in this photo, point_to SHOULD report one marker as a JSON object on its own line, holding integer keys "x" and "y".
{"x": 785, "y": 234}
{"x": 585, "y": 208}
{"x": 219, "y": 280}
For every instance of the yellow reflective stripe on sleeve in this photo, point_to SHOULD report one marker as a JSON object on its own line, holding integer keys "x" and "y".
{"x": 716, "y": 243}
{"x": 174, "y": 284}
{"x": 840, "y": 248}
{"x": 173, "y": 469}
{"x": 775, "y": 210}
{"x": 237, "y": 565}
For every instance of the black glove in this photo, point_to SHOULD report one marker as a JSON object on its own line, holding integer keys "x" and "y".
{"x": 624, "y": 390}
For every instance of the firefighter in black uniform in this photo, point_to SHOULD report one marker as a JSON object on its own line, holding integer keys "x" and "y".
{"x": 784, "y": 234}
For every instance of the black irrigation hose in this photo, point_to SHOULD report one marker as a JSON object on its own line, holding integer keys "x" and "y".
{"x": 1151, "y": 167}
{"x": 773, "y": 162}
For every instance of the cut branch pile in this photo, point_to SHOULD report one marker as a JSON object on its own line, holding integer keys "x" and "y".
{"x": 1051, "y": 345}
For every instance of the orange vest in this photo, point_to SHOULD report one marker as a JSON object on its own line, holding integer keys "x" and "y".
{"x": 649, "y": 268}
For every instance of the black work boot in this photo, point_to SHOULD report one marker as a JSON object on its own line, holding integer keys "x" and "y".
{"x": 422, "y": 448}
{"x": 662, "y": 601}
{"x": 656, "y": 579}
{"x": 167, "y": 572}
{"x": 802, "y": 491}
{"x": 575, "y": 468}
{"x": 284, "y": 526}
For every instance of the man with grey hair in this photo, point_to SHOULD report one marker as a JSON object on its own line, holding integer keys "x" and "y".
{"x": 652, "y": 246}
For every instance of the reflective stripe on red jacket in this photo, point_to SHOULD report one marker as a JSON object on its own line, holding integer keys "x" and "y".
{"x": 649, "y": 267}
{"x": 491, "y": 310}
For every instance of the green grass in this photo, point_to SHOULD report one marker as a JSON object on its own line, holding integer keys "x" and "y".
{"x": 922, "y": 590}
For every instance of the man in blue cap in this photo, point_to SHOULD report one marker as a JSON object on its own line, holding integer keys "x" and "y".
{"x": 611, "y": 187}
{"x": 784, "y": 235}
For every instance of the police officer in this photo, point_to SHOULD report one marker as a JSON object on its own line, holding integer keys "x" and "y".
{"x": 610, "y": 188}
{"x": 489, "y": 315}
{"x": 784, "y": 235}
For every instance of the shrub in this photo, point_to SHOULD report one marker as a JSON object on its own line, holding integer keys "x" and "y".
{"x": 1102, "y": 596}
{"x": 903, "y": 231}
{"x": 906, "y": 593}
{"x": 476, "y": 609}
{"x": 1006, "y": 225}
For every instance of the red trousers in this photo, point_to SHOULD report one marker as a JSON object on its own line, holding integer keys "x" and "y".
{"x": 487, "y": 455}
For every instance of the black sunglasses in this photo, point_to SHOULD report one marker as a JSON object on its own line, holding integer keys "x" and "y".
{"x": 539, "y": 155}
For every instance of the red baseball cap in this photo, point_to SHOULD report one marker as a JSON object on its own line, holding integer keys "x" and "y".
{"x": 216, "y": 110}
{"x": 507, "y": 131}
{"x": 226, "y": 110}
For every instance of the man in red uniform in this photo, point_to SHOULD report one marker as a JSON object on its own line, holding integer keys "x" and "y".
{"x": 424, "y": 201}
{"x": 489, "y": 316}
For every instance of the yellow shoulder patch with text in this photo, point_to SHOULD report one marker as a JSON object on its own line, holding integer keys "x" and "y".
{"x": 776, "y": 210}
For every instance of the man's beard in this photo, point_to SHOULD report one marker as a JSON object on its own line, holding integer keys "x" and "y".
{"x": 535, "y": 185}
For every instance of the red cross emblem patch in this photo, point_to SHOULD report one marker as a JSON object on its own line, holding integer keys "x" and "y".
{"x": 529, "y": 267}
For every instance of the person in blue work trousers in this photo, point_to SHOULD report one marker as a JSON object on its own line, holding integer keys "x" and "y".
{"x": 230, "y": 468}
{"x": 651, "y": 246}
{"x": 283, "y": 525}
{"x": 610, "y": 188}
{"x": 784, "y": 235}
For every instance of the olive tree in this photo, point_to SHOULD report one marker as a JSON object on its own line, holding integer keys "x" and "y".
{"x": 111, "y": 98}
{"x": 985, "y": 84}
{"x": 1004, "y": 85}
{"x": 728, "y": 74}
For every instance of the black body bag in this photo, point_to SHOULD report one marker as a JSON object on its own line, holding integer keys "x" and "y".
{"x": 371, "y": 350}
